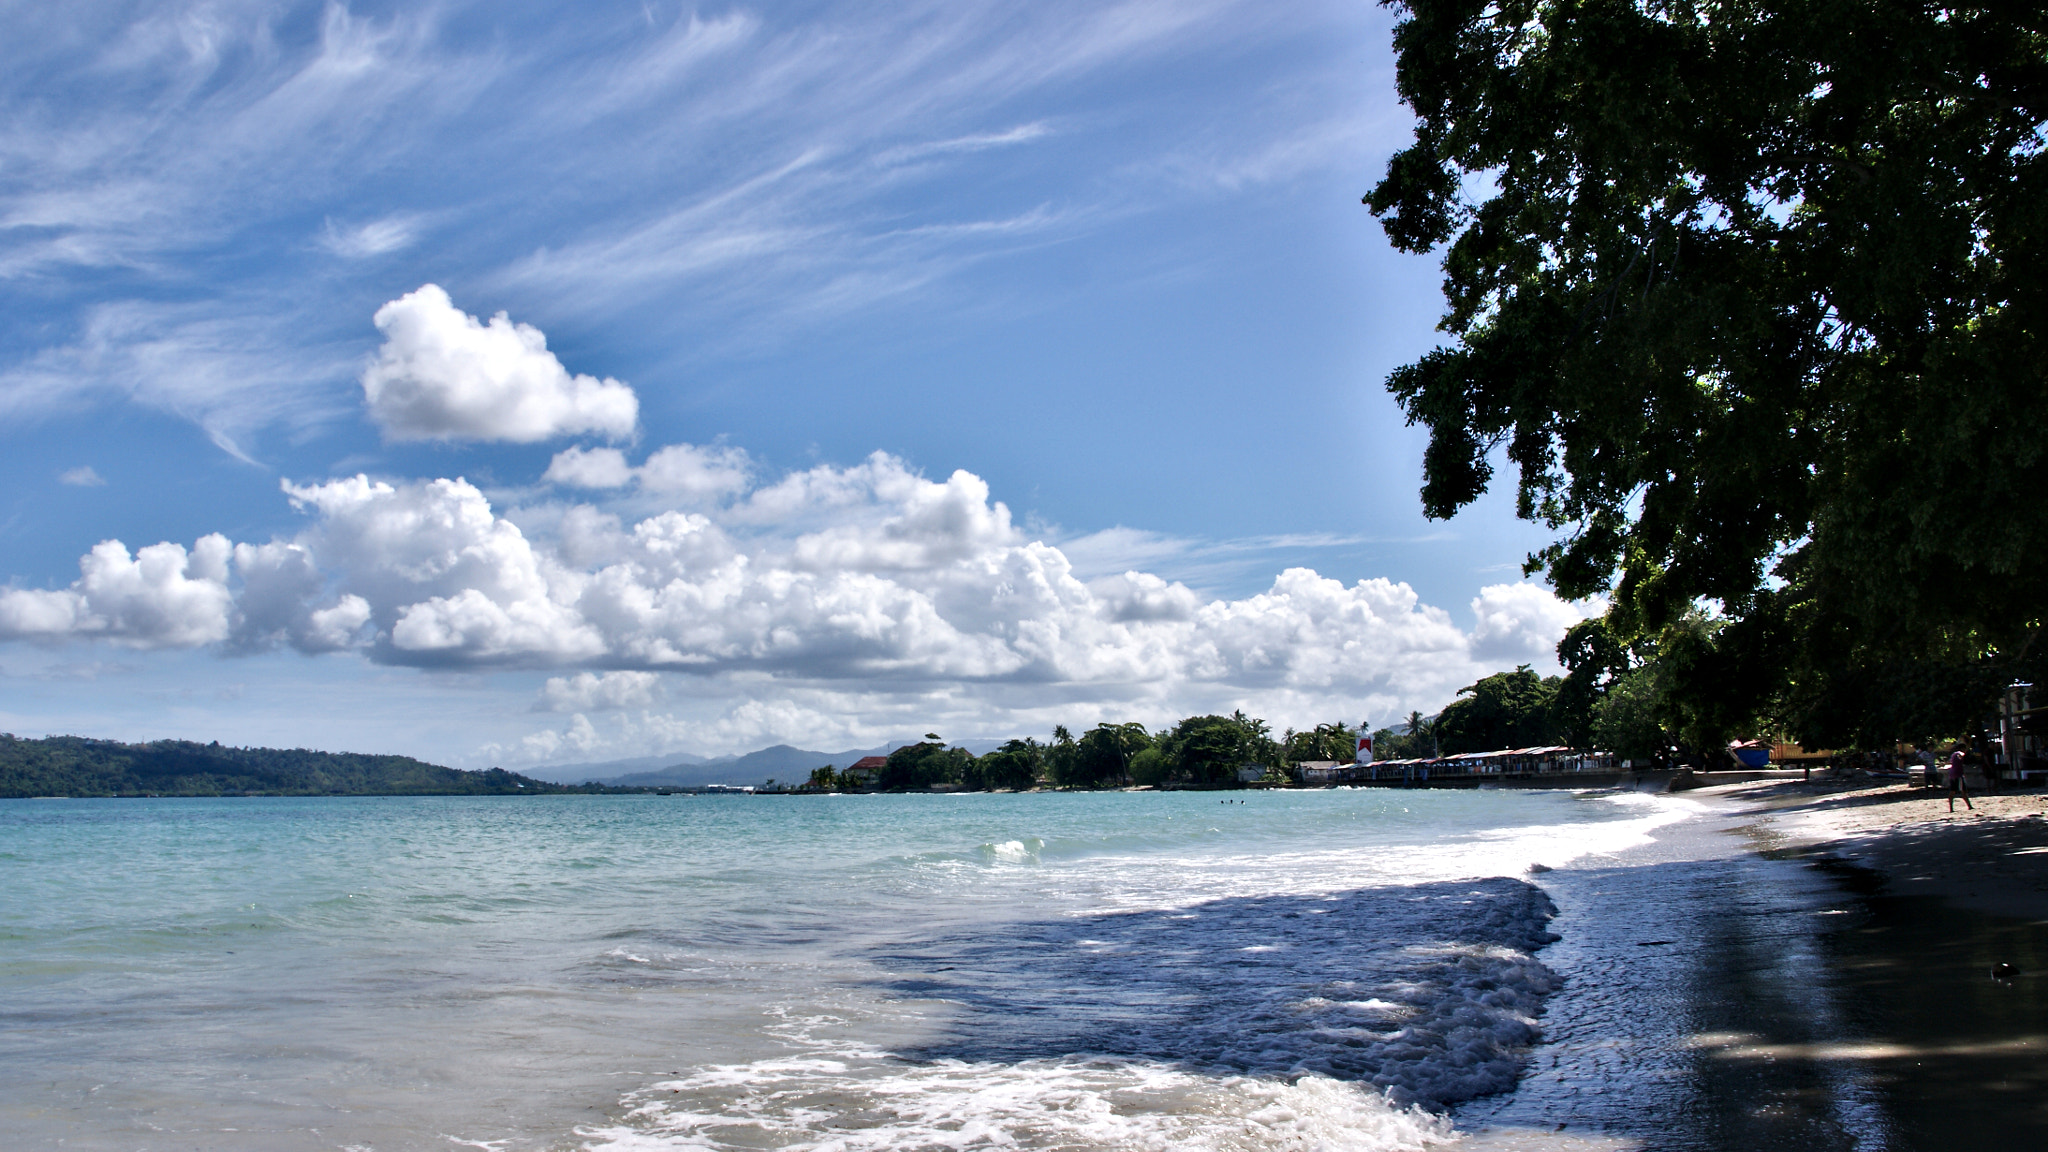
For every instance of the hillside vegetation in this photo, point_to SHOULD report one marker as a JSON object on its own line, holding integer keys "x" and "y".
{"x": 76, "y": 766}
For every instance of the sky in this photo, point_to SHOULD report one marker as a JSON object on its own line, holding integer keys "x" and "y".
{"x": 522, "y": 383}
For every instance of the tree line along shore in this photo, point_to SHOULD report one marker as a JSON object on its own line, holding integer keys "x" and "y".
{"x": 1200, "y": 751}
{"x": 1516, "y": 709}
{"x": 77, "y": 766}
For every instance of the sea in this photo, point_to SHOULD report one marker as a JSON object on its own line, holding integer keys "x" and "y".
{"x": 1361, "y": 969}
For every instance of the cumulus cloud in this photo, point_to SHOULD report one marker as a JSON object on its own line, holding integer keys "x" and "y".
{"x": 443, "y": 375}
{"x": 683, "y": 472}
{"x": 82, "y": 476}
{"x": 581, "y": 736}
{"x": 689, "y": 471}
{"x": 448, "y": 581}
{"x": 161, "y": 597}
{"x": 871, "y": 588}
{"x": 598, "y": 692}
{"x": 589, "y": 468}
{"x": 1522, "y": 623}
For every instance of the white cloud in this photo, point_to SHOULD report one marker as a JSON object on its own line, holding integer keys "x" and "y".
{"x": 979, "y": 142}
{"x": 336, "y": 627}
{"x": 447, "y": 581}
{"x": 1142, "y": 596}
{"x": 161, "y": 597}
{"x": 598, "y": 692}
{"x": 1522, "y": 623}
{"x": 82, "y": 476}
{"x": 228, "y": 374}
{"x": 581, "y": 467}
{"x": 686, "y": 472}
{"x": 579, "y": 737}
{"x": 443, "y": 375}
{"x": 867, "y": 592}
{"x": 375, "y": 238}
{"x": 689, "y": 471}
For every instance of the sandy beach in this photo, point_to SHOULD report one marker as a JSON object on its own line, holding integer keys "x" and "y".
{"x": 1988, "y": 856}
{"x": 1805, "y": 966}
{"x": 1951, "y": 970}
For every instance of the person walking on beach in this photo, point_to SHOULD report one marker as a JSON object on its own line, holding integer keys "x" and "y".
{"x": 1955, "y": 781}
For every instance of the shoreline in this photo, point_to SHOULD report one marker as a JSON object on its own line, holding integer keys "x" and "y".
{"x": 1992, "y": 858}
{"x": 1802, "y": 966}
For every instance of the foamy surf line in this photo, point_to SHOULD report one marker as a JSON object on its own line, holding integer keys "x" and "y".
{"x": 1321, "y": 1021}
{"x": 1282, "y": 1015}
{"x": 857, "y": 1104}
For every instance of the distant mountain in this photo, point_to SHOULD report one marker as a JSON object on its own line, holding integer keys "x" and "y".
{"x": 780, "y": 762}
{"x": 609, "y": 769}
{"x": 76, "y": 766}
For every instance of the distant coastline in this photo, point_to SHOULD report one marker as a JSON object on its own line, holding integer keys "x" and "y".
{"x": 76, "y": 766}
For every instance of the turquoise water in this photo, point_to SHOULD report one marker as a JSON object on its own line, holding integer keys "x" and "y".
{"x": 1053, "y": 970}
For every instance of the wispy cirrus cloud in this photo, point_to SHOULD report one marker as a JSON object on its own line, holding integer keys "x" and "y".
{"x": 1212, "y": 564}
{"x": 1021, "y": 134}
{"x": 750, "y": 167}
{"x": 393, "y": 233}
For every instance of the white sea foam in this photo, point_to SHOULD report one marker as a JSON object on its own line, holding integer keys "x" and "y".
{"x": 1319, "y": 997}
{"x": 1145, "y": 876}
{"x": 1014, "y": 851}
{"x": 1300, "y": 970}
{"x": 857, "y": 1103}
{"x": 1279, "y": 1022}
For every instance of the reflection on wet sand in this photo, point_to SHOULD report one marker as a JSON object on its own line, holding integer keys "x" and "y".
{"x": 1877, "y": 977}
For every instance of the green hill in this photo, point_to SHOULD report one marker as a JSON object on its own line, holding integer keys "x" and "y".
{"x": 76, "y": 766}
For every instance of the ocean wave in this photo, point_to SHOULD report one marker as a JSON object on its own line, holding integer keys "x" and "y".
{"x": 1023, "y": 851}
{"x": 1340, "y": 1021}
{"x": 858, "y": 1103}
{"x": 1428, "y": 991}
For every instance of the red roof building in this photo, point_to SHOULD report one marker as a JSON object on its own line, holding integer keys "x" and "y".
{"x": 866, "y": 766}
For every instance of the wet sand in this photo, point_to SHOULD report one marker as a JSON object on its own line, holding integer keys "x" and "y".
{"x": 1992, "y": 857}
{"x": 1946, "y": 971}
{"x": 1808, "y": 966}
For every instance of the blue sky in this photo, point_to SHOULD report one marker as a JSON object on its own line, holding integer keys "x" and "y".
{"x": 967, "y": 368}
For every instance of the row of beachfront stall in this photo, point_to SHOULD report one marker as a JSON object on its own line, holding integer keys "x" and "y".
{"x": 1505, "y": 763}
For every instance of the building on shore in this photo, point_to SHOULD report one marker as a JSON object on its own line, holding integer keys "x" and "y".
{"x": 1518, "y": 763}
{"x": 1325, "y": 771}
{"x": 862, "y": 772}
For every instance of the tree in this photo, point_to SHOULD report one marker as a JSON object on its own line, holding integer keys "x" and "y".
{"x": 1749, "y": 294}
{"x": 1210, "y": 749}
{"x": 74, "y": 766}
{"x": 1418, "y": 732}
{"x": 921, "y": 765}
{"x": 1504, "y": 710}
{"x": 1104, "y": 752}
{"x": 1259, "y": 745}
{"x": 823, "y": 778}
{"x": 1150, "y": 767}
{"x": 1013, "y": 766}
{"x": 1414, "y": 740}
{"x": 1324, "y": 742}
{"x": 1593, "y": 658}
{"x": 1062, "y": 758}
{"x": 1625, "y": 720}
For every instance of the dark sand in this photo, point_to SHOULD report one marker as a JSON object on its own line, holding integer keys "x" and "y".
{"x": 1809, "y": 966}
{"x": 1945, "y": 971}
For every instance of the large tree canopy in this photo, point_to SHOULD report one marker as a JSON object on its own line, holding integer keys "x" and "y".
{"x": 1752, "y": 295}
